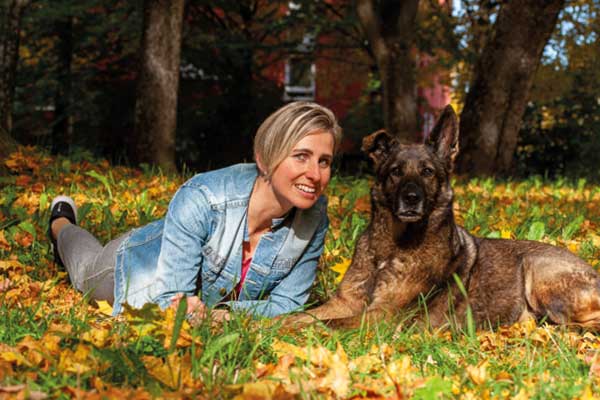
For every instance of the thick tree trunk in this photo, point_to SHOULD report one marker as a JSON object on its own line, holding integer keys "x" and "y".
{"x": 498, "y": 95}
{"x": 9, "y": 57}
{"x": 158, "y": 82}
{"x": 7, "y": 146}
{"x": 389, "y": 26}
{"x": 62, "y": 131}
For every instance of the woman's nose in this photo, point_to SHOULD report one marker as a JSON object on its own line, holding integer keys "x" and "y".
{"x": 313, "y": 172}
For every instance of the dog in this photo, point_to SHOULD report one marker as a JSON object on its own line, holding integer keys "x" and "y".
{"x": 413, "y": 248}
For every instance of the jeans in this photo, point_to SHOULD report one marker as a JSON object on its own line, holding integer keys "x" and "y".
{"x": 91, "y": 266}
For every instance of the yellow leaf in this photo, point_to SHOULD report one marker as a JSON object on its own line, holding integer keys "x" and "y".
{"x": 573, "y": 246}
{"x": 95, "y": 336}
{"x": 51, "y": 343}
{"x": 505, "y": 234}
{"x": 595, "y": 239}
{"x": 282, "y": 348}
{"x": 338, "y": 377}
{"x": 365, "y": 364}
{"x": 172, "y": 372}
{"x": 400, "y": 371}
{"x": 587, "y": 394}
{"x": 14, "y": 357}
{"x": 77, "y": 362}
{"x": 341, "y": 269}
{"x": 264, "y": 389}
{"x": 478, "y": 374}
{"x": 7, "y": 265}
{"x": 104, "y": 307}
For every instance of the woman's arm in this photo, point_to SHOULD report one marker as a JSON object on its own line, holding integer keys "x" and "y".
{"x": 185, "y": 232}
{"x": 293, "y": 291}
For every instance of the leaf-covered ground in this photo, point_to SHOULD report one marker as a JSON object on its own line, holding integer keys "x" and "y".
{"x": 54, "y": 344}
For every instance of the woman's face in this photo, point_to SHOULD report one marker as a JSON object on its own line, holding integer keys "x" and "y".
{"x": 303, "y": 175}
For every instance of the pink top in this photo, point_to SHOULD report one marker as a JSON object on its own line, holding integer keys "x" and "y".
{"x": 245, "y": 266}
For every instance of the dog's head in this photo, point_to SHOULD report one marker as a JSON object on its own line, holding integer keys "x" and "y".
{"x": 412, "y": 179}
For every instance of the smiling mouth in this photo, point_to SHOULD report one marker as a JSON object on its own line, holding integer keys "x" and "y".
{"x": 306, "y": 189}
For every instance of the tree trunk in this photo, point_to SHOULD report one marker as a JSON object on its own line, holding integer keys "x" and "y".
{"x": 503, "y": 75}
{"x": 158, "y": 81}
{"x": 62, "y": 130}
{"x": 7, "y": 146}
{"x": 390, "y": 27}
{"x": 9, "y": 57}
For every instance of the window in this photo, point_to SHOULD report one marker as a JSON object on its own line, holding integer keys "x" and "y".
{"x": 299, "y": 79}
{"x": 300, "y": 72}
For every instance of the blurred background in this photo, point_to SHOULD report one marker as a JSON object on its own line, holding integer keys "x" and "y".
{"x": 185, "y": 84}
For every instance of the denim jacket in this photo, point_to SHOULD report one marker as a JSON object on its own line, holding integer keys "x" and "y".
{"x": 198, "y": 245}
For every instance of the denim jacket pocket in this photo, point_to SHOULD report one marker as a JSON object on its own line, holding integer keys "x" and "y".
{"x": 280, "y": 269}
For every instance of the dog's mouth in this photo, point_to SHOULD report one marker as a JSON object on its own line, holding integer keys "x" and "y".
{"x": 409, "y": 215}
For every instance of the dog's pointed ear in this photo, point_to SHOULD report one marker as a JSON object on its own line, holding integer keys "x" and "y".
{"x": 443, "y": 138}
{"x": 377, "y": 145}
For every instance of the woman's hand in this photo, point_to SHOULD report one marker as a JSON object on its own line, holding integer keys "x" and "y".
{"x": 5, "y": 284}
{"x": 220, "y": 316}
{"x": 196, "y": 310}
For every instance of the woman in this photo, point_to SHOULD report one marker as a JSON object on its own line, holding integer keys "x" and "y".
{"x": 247, "y": 236}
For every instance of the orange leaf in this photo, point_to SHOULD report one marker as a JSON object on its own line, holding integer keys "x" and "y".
{"x": 37, "y": 187}
{"x": 23, "y": 180}
{"x": 24, "y": 239}
{"x": 4, "y": 245}
{"x": 363, "y": 204}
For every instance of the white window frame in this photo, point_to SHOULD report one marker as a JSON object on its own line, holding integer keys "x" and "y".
{"x": 303, "y": 51}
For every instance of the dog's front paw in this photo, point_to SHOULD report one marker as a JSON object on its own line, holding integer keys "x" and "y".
{"x": 295, "y": 320}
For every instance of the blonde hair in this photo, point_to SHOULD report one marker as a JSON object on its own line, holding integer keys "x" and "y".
{"x": 282, "y": 130}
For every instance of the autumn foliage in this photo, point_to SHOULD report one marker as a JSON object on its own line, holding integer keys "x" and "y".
{"x": 54, "y": 344}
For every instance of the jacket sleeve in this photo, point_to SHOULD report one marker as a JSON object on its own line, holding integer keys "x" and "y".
{"x": 186, "y": 230}
{"x": 293, "y": 291}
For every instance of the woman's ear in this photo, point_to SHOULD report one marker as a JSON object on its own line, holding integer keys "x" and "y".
{"x": 261, "y": 168}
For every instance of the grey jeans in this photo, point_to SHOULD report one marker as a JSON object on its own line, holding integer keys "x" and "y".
{"x": 90, "y": 265}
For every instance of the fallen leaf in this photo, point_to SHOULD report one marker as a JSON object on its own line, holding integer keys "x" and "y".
{"x": 23, "y": 180}
{"x": 4, "y": 245}
{"x": 341, "y": 269}
{"x": 104, "y": 307}
{"x": 478, "y": 373}
{"x": 24, "y": 239}
{"x": 171, "y": 371}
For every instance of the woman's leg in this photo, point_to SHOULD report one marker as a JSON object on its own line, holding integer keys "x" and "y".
{"x": 90, "y": 265}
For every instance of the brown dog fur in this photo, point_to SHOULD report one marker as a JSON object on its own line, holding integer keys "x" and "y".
{"x": 413, "y": 246}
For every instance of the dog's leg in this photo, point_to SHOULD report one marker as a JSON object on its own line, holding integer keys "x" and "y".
{"x": 352, "y": 295}
{"x": 564, "y": 288}
{"x": 388, "y": 301}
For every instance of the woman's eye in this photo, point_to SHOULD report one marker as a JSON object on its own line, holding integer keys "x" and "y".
{"x": 427, "y": 172}
{"x": 301, "y": 157}
{"x": 325, "y": 163}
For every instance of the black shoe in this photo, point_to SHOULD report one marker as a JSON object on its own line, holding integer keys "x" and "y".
{"x": 62, "y": 206}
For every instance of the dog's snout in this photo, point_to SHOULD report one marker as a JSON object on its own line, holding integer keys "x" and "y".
{"x": 411, "y": 198}
{"x": 412, "y": 194}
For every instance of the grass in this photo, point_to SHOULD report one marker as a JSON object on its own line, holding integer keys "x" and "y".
{"x": 53, "y": 343}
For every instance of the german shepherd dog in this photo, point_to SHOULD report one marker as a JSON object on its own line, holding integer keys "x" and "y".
{"x": 413, "y": 247}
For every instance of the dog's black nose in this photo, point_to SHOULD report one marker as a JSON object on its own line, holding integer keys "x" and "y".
{"x": 412, "y": 194}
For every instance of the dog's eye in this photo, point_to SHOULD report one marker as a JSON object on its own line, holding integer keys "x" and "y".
{"x": 427, "y": 172}
{"x": 396, "y": 171}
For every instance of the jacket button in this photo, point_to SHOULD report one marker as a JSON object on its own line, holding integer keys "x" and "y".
{"x": 222, "y": 291}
